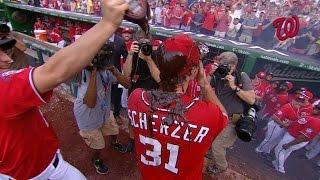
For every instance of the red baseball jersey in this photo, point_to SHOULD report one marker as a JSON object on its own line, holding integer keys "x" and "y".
{"x": 288, "y": 113}
{"x": 275, "y": 101}
{"x": 28, "y": 143}
{"x": 55, "y": 37}
{"x": 176, "y": 151}
{"x": 261, "y": 89}
{"x": 309, "y": 126}
{"x": 193, "y": 90}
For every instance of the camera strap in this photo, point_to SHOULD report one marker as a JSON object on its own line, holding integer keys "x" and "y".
{"x": 105, "y": 82}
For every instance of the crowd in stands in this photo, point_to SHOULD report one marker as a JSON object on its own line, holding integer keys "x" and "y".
{"x": 247, "y": 21}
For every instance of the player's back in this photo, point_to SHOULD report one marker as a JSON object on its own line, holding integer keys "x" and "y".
{"x": 176, "y": 151}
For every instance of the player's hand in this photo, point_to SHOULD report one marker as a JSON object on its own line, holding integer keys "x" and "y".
{"x": 231, "y": 80}
{"x": 201, "y": 77}
{"x": 113, "y": 11}
{"x": 286, "y": 146}
{"x": 134, "y": 47}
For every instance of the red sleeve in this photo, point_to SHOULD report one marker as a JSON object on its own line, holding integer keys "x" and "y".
{"x": 20, "y": 92}
{"x": 133, "y": 98}
{"x": 311, "y": 129}
{"x": 281, "y": 113}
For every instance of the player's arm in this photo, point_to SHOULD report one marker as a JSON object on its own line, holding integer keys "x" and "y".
{"x": 207, "y": 91}
{"x": 90, "y": 98}
{"x": 68, "y": 61}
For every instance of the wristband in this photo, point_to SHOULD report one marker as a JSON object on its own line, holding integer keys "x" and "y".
{"x": 131, "y": 53}
{"x": 236, "y": 90}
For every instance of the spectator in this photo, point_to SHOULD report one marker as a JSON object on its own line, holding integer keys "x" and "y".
{"x": 249, "y": 24}
{"x": 142, "y": 71}
{"x": 159, "y": 13}
{"x": 167, "y": 15}
{"x": 222, "y": 24}
{"x": 186, "y": 19}
{"x": 209, "y": 22}
{"x": 176, "y": 17}
{"x": 257, "y": 32}
{"x": 266, "y": 38}
{"x": 233, "y": 29}
{"x": 92, "y": 110}
{"x": 302, "y": 42}
{"x": 237, "y": 11}
{"x": 197, "y": 20}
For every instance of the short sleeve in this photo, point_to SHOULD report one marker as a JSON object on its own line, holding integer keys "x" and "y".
{"x": 246, "y": 82}
{"x": 133, "y": 98}
{"x": 19, "y": 92}
{"x": 281, "y": 112}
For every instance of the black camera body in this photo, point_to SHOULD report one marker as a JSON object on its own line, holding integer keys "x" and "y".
{"x": 246, "y": 125}
{"x": 145, "y": 47}
{"x": 222, "y": 70}
{"x": 104, "y": 57}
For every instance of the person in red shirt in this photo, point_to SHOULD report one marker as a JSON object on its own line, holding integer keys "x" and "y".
{"x": 299, "y": 134}
{"x": 277, "y": 98}
{"x": 186, "y": 19}
{"x": 176, "y": 17}
{"x": 72, "y": 32}
{"x": 38, "y": 25}
{"x": 260, "y": 85}
{"x": 287, "y": 114}
{"x": 223, "y": 22}
{"x": 209, "y": 22}
{"x": 172, "y": 130}
{"x": 29, "y": 147}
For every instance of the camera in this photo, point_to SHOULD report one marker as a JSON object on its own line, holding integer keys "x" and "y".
{"x": 222, "y": 70}
{"x": 145, "y": 48}
{"x": 246, "y": 125}
{"x": 104, "y": 57}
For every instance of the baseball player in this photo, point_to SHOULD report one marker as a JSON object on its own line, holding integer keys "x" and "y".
{"x": 29, "y": 147}
{"x": 173, "y": 131}
{"x": 290, "y": 112}
{"x": 261, "y": 86}
{"x": 277, "y": 98}
{"x": 313, "y": 148}
{"x": 299, "y": 133}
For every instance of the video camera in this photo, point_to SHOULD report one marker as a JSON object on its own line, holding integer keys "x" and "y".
{"x": 145, "y": 47}
{"x": 104, "y": 57}
{"x": 246, "y": 125}
{"x": 222, "y": 70}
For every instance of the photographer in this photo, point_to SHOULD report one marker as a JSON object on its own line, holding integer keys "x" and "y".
{"x": 92, "y": 107}
{"x": 235, "y": 91}
{"x": 142, "y": 71}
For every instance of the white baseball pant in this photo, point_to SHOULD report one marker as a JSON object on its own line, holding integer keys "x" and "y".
{"x": 272, "y": 138}
{"x": 63, "y": 171}
{"x": 283, "y": 154}
{"x": 313, "y": 148}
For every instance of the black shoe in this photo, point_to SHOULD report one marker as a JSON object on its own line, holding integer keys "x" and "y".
{"x": 100, "y": 167}
{"x": 212, "y": 170}
{"x": 128, "y": 148}
{"x": 117, "y": 146}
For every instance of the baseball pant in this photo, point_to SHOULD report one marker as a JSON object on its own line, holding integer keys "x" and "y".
{"x": 63, "y": 171}
{"x": 313, "y": 148}
{"x": 283, "y": 154}
{"x": 272, "y": 138}
{"x": 219, "y": 146}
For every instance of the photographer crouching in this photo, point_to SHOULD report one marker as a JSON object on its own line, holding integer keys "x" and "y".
{"x": 92, "y": 108}
{"x": 142, "y": 70}
{"x": 235, "y": 91}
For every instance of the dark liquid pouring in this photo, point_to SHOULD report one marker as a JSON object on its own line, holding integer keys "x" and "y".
{"x": 139, "y": 13}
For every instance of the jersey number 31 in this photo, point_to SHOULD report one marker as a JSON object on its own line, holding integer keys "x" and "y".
{"x": 156, "y": 154}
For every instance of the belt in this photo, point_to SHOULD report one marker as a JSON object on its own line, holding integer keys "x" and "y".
{"x": 56, "y": 161}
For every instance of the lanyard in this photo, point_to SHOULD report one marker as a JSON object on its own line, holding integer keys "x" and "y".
{"x": 105, "y": 83}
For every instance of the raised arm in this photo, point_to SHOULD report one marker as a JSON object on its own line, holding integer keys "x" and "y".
{"x": 68, "y": 61}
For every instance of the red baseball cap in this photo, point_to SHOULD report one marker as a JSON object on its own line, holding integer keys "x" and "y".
{"x": 305, "y": 94}
{"x": 127, "y": 30}
{"x": 182, "y": 43}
